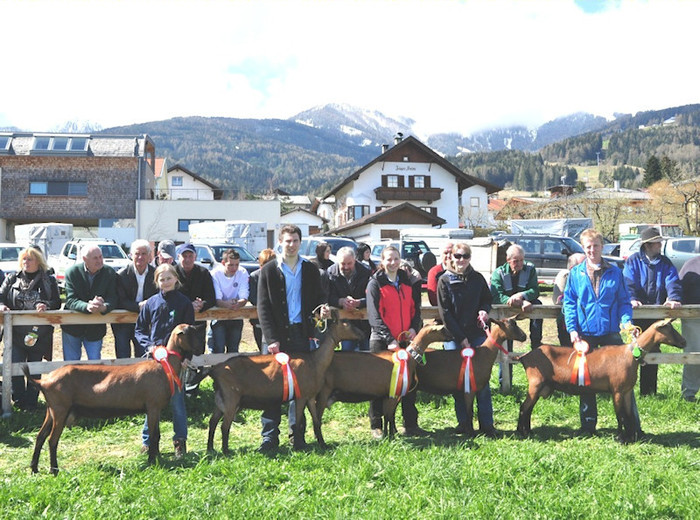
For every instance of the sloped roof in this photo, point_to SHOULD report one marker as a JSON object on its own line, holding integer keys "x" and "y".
{"x": 404, "y": 207}
{"x": 411, "y": 142}
{"x": 218, "y": 192}
{"x": 302, "y": 210}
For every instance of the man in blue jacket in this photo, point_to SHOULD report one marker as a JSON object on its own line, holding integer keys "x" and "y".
{"x": 651, "y": 279}
{"x": 596, "y": 303}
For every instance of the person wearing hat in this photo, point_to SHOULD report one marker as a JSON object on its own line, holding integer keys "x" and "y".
{"x": 651, "y": 279}
{"x": 165, "y": 253}
{"x": 198, "y": 286}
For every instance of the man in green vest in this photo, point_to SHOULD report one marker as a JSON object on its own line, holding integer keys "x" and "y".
{"x": 515, "y": 284}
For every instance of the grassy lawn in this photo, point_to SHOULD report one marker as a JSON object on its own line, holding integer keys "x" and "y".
{"x": 554, "y": 474}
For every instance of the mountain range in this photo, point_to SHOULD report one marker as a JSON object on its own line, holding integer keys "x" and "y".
{"x": 317, "y": 148}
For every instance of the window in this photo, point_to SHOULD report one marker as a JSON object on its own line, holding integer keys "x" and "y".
{"x": 392, "y": 181}
{"x": 475, "y": 202}
{"x": 60, "y": 144}
{"x": 177, "y": 181}
{"x": 429, "y": 209}
{"x": 380, "y": 208}
{"x": 5, "y": 141}
{"x": 183, "y": 224}
{"x": 683, "y": 246}
{"x": 357, "y": 212}
{"x": 76, "y": 188}
{"x": 419, "y": 181}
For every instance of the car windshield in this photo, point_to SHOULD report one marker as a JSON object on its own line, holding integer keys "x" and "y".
{"x": 245, "y": 254}
{"x": 337, "y": 243}
{"x": 572, "y": 245}
{"x": 112, "y": 251}
{"x": 9, "y": 253}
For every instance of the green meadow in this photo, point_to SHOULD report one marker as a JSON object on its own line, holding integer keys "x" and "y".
{"x": 553, "y": 474}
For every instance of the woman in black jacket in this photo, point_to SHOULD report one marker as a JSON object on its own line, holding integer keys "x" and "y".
{"x": 31, "y": 288}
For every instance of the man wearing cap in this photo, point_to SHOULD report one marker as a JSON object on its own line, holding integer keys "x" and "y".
{"x": 134, "y": 286}
{"x": 166, "y": 253}
{"x": 198, "y": 286}
{"x": 651, "y": 279}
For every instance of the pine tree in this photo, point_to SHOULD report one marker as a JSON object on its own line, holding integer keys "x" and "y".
{"x": 653, "y": 171}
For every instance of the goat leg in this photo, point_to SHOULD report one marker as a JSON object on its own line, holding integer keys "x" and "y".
{"x": 213, "y": 422}
{"x": 229, "y": 415}
{"x": 625, "y": 417}
{"x": 59, "y": 422}
{"x": 40, "y": 439}
{"x": 469, "y": 406}
{"x": 389, "y": 405}
{"x": 298, "y": 442}
{"x": 525, "y": 415}
{"x": 316, "y": 420}
{"x": 153, "y": 420}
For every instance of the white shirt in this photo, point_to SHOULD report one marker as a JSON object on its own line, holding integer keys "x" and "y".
{"x": 235, "y": 287}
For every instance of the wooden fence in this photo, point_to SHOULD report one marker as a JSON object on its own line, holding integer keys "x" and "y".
{"x": 63, "y": 317}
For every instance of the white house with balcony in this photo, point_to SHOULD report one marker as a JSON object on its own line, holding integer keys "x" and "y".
{"x": 403, "y": 178}
{"x": 178, "y": 183}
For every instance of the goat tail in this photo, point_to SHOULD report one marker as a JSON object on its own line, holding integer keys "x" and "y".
{"x": 30, "y": 379}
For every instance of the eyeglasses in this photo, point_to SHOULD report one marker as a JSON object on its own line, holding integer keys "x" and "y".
{"x": 459, "y": 256}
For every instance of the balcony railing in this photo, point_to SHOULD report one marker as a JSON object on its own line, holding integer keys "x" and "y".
{"x": 429, "y": 195}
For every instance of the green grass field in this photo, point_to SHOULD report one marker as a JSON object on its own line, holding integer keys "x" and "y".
{"x": 553, "y": 474}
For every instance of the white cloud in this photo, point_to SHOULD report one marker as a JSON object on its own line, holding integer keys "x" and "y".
{"x": 451, "y": 66}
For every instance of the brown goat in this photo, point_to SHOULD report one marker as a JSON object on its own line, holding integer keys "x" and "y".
{"x": 363, "y": 376}
{"x": 110, "y": 391}
{"x": 613, "y": 369}
{"x": 440, "y": 374}
{"x": 258, "y": 382}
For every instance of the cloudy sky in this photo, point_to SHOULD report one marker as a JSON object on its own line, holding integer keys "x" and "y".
{"x": 449, "y": 65}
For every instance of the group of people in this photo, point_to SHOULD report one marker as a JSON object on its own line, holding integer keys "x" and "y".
{"x": 596, "y": 298}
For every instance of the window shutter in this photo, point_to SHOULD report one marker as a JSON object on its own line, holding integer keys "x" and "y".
{"x": 426, "y": 180}
{"x": 411, "y": 181}
{"x": 401, "y": 181}
{"x": 385, "y": 183}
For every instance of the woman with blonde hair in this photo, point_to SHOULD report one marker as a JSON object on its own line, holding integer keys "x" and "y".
{"x": 31, "y": 288}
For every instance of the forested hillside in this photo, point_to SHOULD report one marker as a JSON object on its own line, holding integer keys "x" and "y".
{"x": 248, "y": 157}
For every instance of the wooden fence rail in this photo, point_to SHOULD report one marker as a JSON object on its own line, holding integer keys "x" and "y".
{"x": 62, "y": 317}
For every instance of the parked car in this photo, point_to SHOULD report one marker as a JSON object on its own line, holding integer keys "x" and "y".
{"x": 549, "y": 253}
{"x": 678, "y": 249}
{"x": 9, "y": 257}
{"x": 307, "y": 249}
{"x": 114, "y": 256}
{"x": 209, "y": 255}
{"x": 416, "y": 252}
{"x": 611, "y": 249}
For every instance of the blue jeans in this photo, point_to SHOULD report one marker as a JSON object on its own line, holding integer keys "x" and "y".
{"x": 72, "y": 347}
{"x": 355, "y": 345}
{"x": 484, "y": 405}
{"x": 124, "y": 338}
{"x": 177, "y": 402}
{"x": 224, "y": 333}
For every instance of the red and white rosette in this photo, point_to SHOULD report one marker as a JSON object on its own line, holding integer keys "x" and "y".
{"x": 580, "y": 375}
{"x": 291, "y": 387}
{"x": 467, "y": 381}
{"x": 160, "y": 354}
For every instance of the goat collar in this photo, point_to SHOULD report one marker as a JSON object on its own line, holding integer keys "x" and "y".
{"x": 416, "y": 354}
{"x": 492, "y": 340}
{"x": 638, "y": 353}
